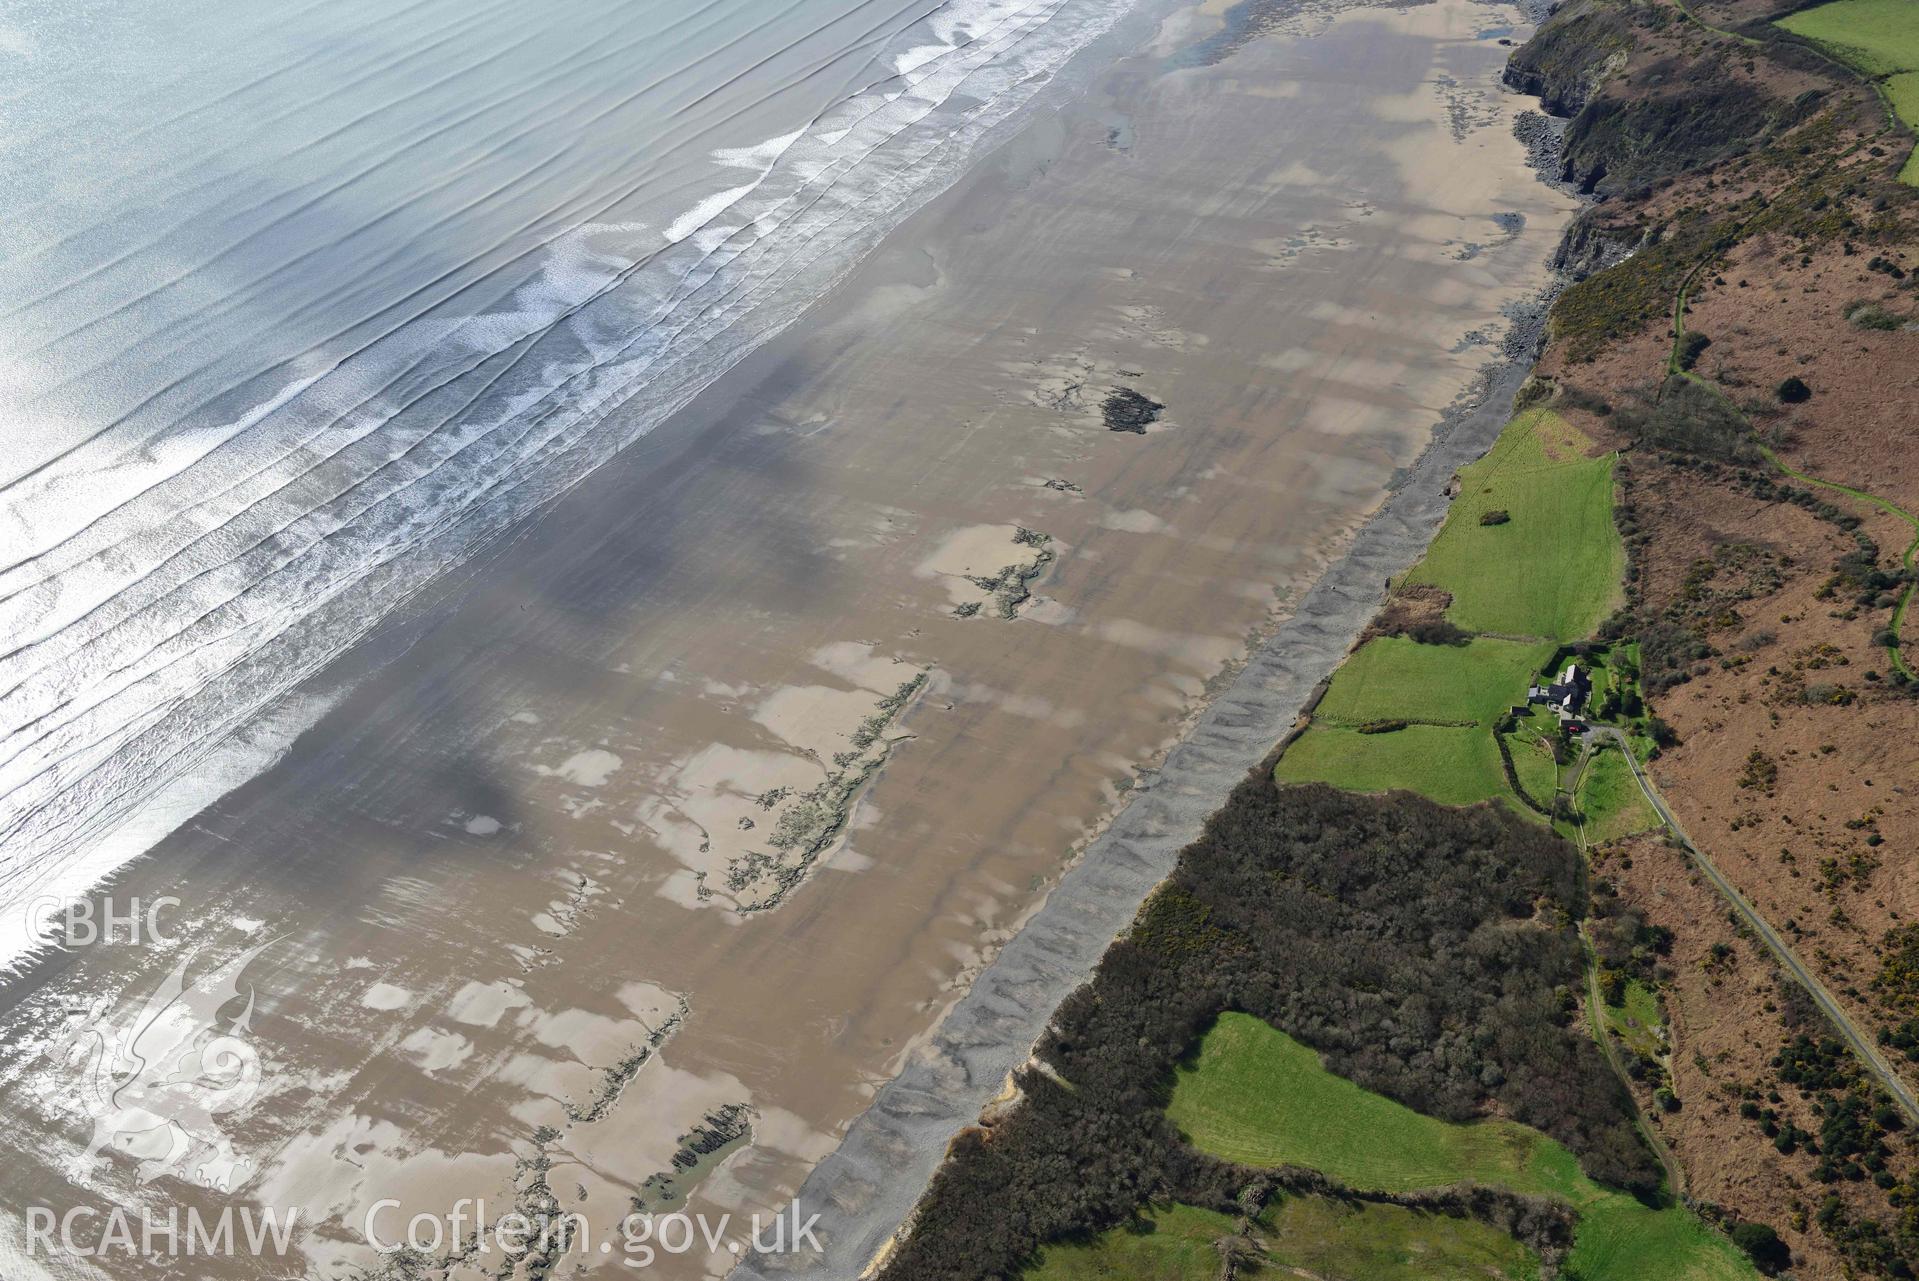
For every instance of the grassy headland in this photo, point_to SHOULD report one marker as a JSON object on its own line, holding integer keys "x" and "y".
{"x": 1551, "y": 568}
{"x": 1881, "y": 39}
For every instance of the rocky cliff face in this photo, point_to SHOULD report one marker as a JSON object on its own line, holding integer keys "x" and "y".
{"x": 1615, "y": 144}
{"x": 1574, "y": 52}
{"x": 1642, "y": 105}
{"x": 1591, "y": 245}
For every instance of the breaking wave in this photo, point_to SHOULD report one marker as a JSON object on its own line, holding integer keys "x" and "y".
{"x": 290, "y": 337}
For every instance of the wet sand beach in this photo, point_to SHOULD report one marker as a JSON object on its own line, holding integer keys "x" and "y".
{"x": 697, "y": 802}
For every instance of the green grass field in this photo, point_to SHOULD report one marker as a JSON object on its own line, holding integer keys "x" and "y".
{"x": 1322, "y": 1238}
{"x": 1533, "y": 758}
{"x": 1637, "y": 1020}
{"x": 1257, "y": 1096}
{"x": 1451, "y": 766}
{"x": 1179, "y": 1247}
{"x": 1903, "y": 90}
{"x": 1391, "y": 677}
{"x": 1881, "y": 38}
{"x": 1553, "y": 569}
{"x": 1611, "y": 801}
{"x": 1325, "y": 1239}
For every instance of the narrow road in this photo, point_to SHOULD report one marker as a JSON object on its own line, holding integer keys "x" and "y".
{"x": 1596, "y": 1013}
{"x": 1596, "y": 1022}
{"x": 1861, "y": 1044}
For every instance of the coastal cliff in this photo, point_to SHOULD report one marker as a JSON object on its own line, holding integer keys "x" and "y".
{"x": 1644, "y": 103}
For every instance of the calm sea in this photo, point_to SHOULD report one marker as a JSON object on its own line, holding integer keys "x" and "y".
{"x": 302, "y": 302}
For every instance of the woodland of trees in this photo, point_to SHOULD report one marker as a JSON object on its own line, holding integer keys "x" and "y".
{"x": 1428, "y": 953}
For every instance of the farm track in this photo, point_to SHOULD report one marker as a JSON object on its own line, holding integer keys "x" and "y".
{"x": 1895, "y": 652}
{"x": 1596, "y": 1021}
{"x": 1861, "y": 1044}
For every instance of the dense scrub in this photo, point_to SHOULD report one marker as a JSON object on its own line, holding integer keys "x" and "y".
{"x": 1618, "y": 143}
{"x": 1427, "y": 952}
{"x": 1687, "y": 418}
{"x": 1623, "y": 299}
{"x": 1856, "y": 1121}
{"x": 1677, "y": 634}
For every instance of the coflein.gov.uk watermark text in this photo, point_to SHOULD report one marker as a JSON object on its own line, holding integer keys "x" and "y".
{"x": 638, "y": 1241}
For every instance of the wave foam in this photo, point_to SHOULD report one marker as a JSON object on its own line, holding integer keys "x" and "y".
{"x": 177, "y": 571}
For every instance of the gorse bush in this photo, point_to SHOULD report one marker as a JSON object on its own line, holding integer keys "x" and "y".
{"x": 1689, "y": 419}
{"x": 1691, "y": 347}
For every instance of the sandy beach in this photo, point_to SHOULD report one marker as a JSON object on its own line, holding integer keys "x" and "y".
{"x": 690, "y": 809}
